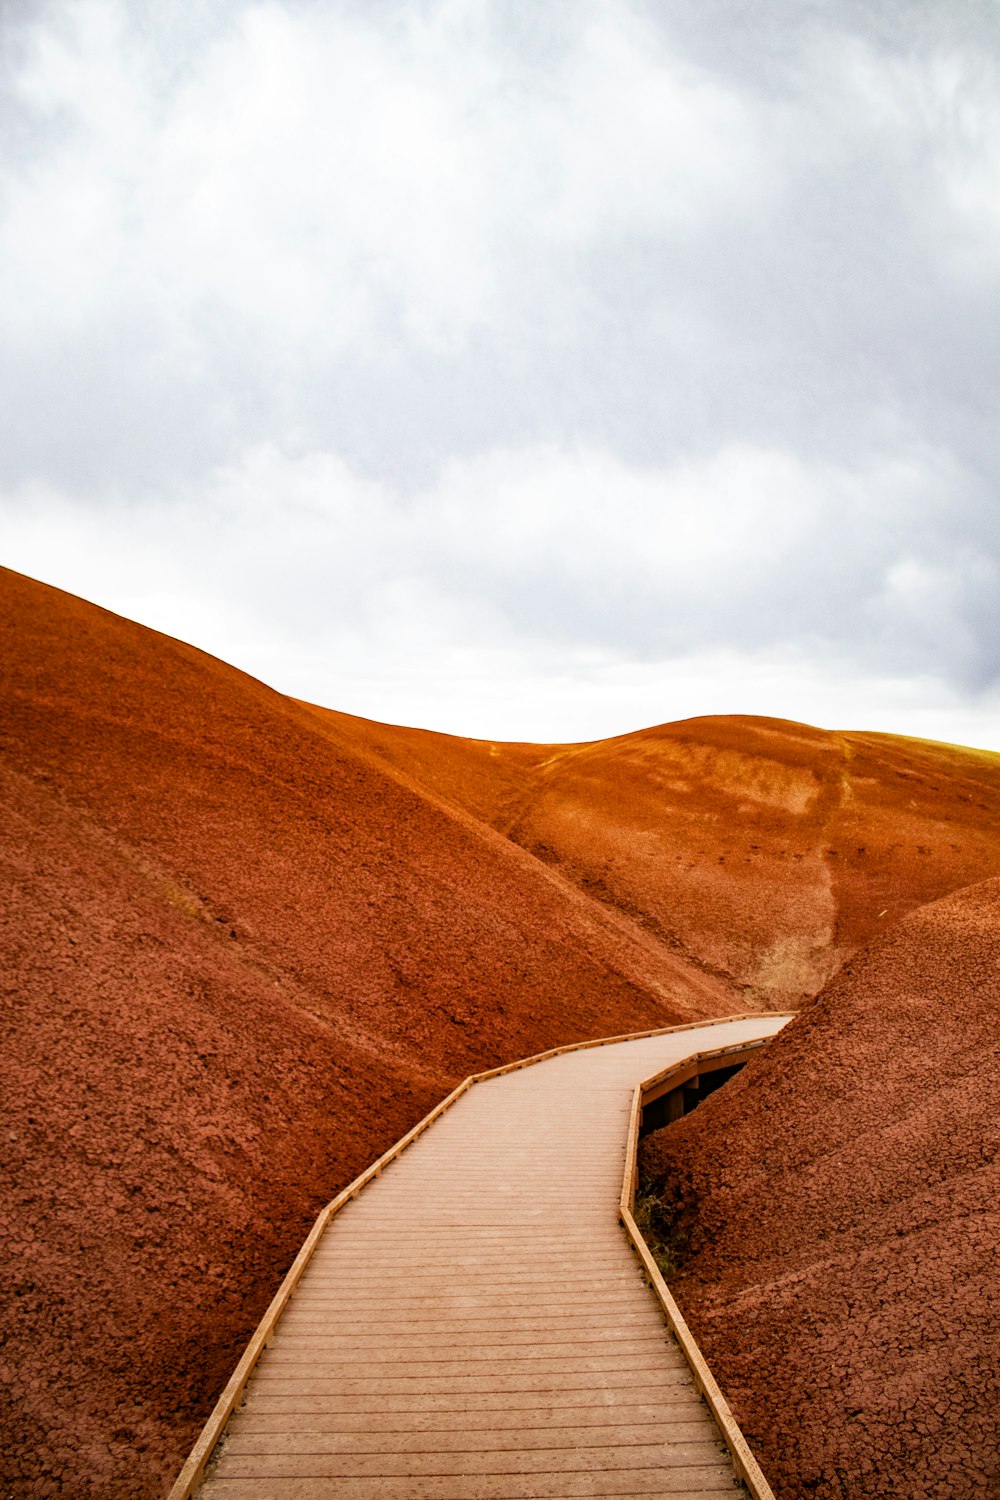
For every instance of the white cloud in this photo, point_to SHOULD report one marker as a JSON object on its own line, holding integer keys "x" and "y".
{"x": 326, "y": 180}
{"x": 566, "y": 566}
{"x": 425, "y": 345}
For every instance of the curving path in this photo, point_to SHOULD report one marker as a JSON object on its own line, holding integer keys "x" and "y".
{"x": 474, "y": 1324}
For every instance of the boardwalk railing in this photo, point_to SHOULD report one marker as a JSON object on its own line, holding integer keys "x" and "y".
{"x": 647, "y": 1092}
{"x": 193, "y": 1471}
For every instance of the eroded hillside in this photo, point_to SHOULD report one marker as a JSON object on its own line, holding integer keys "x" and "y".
{"x": 245, "y": 945}
{"x": 835, "y": 1213}
{"x": 764, "y": 852}
{"x": 238, "y": 961}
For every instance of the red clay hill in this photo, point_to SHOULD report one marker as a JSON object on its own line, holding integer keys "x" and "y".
{"x": 240, "y": 958}
{"x": 762, "y": 851}
{"x": 836, "y": 1209}
{"x": 246, "y": 944}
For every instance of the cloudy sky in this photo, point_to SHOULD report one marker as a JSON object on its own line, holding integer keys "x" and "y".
{"x": 526, "y": 369}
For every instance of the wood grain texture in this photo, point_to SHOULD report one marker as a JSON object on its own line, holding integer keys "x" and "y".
{"x": 468, "y": 1319}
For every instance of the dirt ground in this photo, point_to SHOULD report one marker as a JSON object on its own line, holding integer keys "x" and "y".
{"x": 245, "y": 944}
{"x": 836, "y": 1211}
{"x": 239, "y": 960}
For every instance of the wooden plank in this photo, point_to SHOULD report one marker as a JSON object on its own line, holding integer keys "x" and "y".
{"x": 474, "y": 1251}
{"x": 524, "y": 1408}
{"x": 564, "y": 1319}
{"x": 584, "y": 1378}
{"x": 647, "y": 1484}
{"x": 392, "y": 1356}
{"x": 698, "y": 1460}
{"x": 376, "y": 1438}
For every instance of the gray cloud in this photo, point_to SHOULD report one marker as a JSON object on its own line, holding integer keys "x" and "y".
{"x": 601, "y": 338}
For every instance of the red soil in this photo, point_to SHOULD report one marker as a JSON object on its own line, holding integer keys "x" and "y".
{"x": 246, "y": 944}
{"x": 764, "y": 852}
{"x": 240, "y": 958}
{"x": 838, "y": 1205}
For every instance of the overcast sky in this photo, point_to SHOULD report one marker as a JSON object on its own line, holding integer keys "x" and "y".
{"x": 532, "y": 369}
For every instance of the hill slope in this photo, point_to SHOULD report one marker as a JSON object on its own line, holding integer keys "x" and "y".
{"x": 244, "y": 944}
{"x": 838, "y": 1209}
{"x": 766, "y": 852}
{"x": 239, "y": 959}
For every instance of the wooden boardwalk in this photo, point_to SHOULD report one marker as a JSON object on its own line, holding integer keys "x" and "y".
{"x": 474, "y": 1325}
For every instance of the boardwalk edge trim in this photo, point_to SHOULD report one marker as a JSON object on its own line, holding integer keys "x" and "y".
{"x": 211, "y": 1434}
{"x": 740, "y": 1452}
